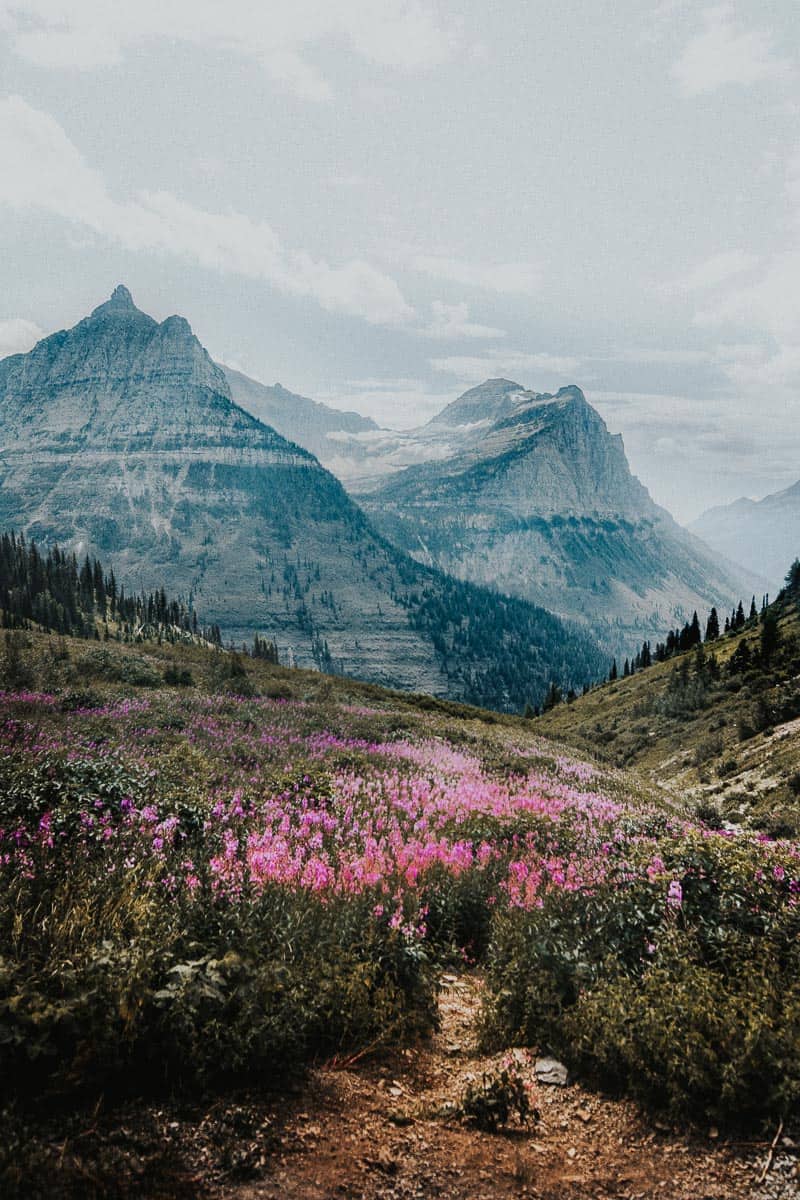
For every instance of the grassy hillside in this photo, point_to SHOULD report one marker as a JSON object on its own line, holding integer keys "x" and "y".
{"x": 722, "y": 727}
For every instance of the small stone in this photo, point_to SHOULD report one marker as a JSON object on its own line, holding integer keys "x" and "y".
{"x": 551, "y": 1071}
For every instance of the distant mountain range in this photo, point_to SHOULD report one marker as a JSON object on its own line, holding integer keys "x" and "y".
{"x": 120, "y": 437}
{"x": 528, "y": 493}
{"x": 298, "y": 419}
{"x": 763, "y": 535}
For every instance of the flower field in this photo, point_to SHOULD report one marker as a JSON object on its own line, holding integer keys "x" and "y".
{"x": 203, "y": 887}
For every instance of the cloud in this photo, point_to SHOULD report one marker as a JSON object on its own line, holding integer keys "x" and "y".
{"x": 86, "y": 34}
{"x": 451, "y": 321}
{"x": 767, "y": 303}
{"x": 761, "y": 301}
{"x": 665, "y": 357}
{"x": 725, "y": 53}
{"x": 393, "y": 403}
{"x": 17, "y": 336}
{"x": 517, "y": 277}
{"x": 716, "y": 270}
{"x": 44, "y": 171}
{"x": 491, "y": 366}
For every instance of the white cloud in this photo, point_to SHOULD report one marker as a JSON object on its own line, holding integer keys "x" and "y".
{"x": 768, "y": 304}
{"x": 86, "y": 34}
{"x": 515, "y": 277}
{"x": 665, "y": 357}
{"x": 716, "y": 270}
{"x": 43, "y": 170}
{"x": 17, "y": 336}
{"x": 474, "y": 369}
{"x": 451, "y": 321}
{"x": 393, "y": 403}
{"x": 723, "y": 52}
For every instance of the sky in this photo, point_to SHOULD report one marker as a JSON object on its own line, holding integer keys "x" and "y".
{"x": 379, "y": 203}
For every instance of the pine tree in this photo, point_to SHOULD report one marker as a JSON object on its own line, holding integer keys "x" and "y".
{"x": 712, "y": 626}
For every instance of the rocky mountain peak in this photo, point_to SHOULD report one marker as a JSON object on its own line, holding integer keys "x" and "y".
{"x": 120, "y": 302}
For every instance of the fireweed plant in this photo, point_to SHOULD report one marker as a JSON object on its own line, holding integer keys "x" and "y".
{"x": 197, "y": 889}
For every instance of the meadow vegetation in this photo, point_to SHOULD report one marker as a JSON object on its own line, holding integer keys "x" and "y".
{"x": 210, "y": 882}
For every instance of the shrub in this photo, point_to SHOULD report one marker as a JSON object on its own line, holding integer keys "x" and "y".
{"x": 684, "y": 993}
{"x": 490, "y": 1102}
{"x": 691, "y": 1039}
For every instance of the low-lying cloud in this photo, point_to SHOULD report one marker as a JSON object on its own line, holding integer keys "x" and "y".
{"x": 43, "y": 170}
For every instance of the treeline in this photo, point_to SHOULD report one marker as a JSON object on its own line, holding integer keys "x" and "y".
{"x": 681, "y": 639}
{"x": 498, "y": 651}
{"x": 52, "y": 591}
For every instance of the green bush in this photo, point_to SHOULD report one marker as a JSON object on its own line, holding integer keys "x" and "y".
{"x": 691, "y": 1039}
{"x": 248, "y": 997}
{"x": 692, "y": 1006}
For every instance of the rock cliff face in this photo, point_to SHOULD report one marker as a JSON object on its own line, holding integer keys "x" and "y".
{"x": 762, "y": 535}
{"x": 119, "y": 437}
{"x": 538, "y": 500}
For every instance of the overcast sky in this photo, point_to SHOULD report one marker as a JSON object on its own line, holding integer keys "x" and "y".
{"x": 382, "y": 202}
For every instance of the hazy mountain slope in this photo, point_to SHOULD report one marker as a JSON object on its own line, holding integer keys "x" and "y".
{"x": 300, "y": 420}
{"x": 762, "y": 535}
{"x": 540, "y": 501}
{"x": 119, "y": 437}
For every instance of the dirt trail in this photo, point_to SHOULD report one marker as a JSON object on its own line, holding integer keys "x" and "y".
{"x": 381, "y": 1131}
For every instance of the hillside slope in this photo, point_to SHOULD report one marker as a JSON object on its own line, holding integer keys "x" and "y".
{"x": 720, "y": 724}
{"x": 281, "y": 934}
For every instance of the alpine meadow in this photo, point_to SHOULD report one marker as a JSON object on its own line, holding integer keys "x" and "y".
{"x": 400, "y": 763}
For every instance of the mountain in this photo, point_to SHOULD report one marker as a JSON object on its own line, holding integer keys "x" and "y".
{"x": 312, "y": 425}
{"x": 488, "y": 402}
{"x": 762, "y": 535}
{"x": 119, "y": 438}
{"x": 535, "y": 497}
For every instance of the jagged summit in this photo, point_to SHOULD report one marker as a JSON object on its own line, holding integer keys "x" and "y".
{"x": 119, "y": 302}
{"x": 533, "y": 495}
{"x": 120, "y": 377}
{"x": 121, "y": 297}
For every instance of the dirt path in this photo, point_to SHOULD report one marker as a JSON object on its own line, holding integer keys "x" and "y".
{"x": 381, "y": 1131}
